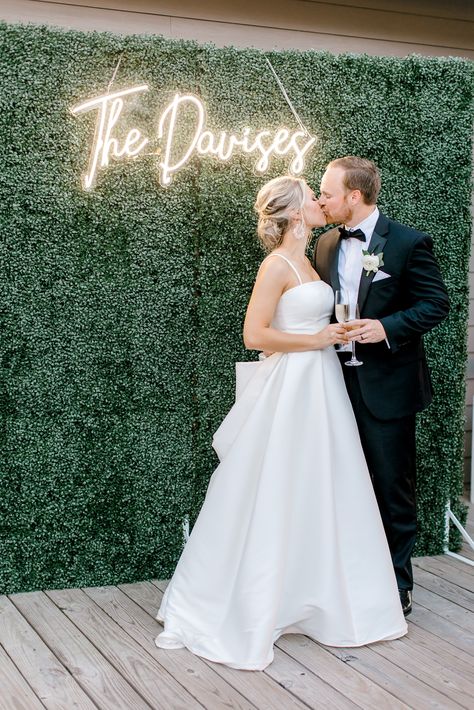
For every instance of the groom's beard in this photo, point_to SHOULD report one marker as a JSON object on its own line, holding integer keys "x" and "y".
{"x": 344, "y": 216}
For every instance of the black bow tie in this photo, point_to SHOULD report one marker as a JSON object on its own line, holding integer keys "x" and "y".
{"x": 356, "y": 234}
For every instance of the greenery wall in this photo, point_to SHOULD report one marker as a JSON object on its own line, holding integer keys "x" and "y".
{"x": 122, "y": 307}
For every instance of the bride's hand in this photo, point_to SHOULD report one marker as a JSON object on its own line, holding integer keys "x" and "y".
{"x": 330, "y": 335}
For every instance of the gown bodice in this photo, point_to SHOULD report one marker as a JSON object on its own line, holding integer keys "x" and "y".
{"x": 306, "y": 308}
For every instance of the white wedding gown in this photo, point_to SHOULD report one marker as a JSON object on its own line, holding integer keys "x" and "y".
{"x": 289, "y": 538}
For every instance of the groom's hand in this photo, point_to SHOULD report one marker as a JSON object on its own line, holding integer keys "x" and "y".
{"x": 366, "y": 330}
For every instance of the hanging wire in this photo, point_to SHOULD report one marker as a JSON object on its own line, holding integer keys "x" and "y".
{"x": 115, "y": 72}
{"x": 287, "y": 98}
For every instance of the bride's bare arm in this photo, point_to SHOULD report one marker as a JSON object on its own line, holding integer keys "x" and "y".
{"x": 272, "y": 280}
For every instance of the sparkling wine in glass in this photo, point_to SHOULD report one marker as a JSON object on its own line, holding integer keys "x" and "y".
{"x": 341, "y": 307}
{"x": 353, "y": 315}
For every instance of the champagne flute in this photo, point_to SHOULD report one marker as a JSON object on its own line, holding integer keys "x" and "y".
{"x": 341, "y": 307}
{"x": 353, "y": 314}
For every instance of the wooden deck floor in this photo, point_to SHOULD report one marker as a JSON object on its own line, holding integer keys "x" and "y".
{"x": 93, "y": 648}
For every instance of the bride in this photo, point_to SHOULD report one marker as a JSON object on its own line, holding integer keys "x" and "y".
{"x": 289, "y": 538}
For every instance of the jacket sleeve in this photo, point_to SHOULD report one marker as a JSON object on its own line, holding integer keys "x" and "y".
{"x": 426, "y": 292}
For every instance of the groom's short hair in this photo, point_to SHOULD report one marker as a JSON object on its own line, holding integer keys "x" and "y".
{"x": 360, "y": 174}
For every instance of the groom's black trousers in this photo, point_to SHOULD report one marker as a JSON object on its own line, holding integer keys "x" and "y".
{"x": 389, "y": 448}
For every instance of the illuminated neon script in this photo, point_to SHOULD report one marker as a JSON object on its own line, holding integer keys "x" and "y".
{"x": 107, "y": 145}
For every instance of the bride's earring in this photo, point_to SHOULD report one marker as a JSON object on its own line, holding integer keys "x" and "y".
{"x": 299, "y": 231}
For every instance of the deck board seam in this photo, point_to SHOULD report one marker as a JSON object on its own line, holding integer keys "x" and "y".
{"x": 110, "y": 661}
{"x": 300, "y": 662}
{"x": 439, "y": 594}
{"x": 205, "y": 660}
{"x": 449, "y": 621}
{"x": 426, "y": 683}
{"x": 44, "y": 641}
{"x": 273, "y": 680}
{"x": 65, "y": 668}
{"x": 186, "y": 689}
{"x": 357, "y": 670}
{"x": 443, "y": 638}
{"x": 22, "y": 674}
{"x": 104, "y": 658}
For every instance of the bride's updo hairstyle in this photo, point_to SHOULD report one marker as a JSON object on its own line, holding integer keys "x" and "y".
{"x": 273, "y": 204}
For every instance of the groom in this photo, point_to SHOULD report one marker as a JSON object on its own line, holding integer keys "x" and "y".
{"x": 401, "y": 296}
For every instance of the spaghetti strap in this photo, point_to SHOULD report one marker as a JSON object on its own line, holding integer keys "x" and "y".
{"x": 289, "y": 263}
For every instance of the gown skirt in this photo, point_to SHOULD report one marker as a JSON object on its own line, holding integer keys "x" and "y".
{"x": 289, "y": 538}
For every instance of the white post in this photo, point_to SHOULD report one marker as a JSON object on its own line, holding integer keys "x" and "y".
{"x": 472, "y": 460}
{"x": 451, "y": 517}
{"x": 185, "y": 525}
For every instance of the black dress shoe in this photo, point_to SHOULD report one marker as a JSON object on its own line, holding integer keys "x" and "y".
{"x": 405, "y": 599}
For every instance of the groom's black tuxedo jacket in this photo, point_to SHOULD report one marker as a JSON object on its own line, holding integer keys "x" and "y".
{"x": 395, "y": 381}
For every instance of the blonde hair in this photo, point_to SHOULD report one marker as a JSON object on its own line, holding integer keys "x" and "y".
{"x": 273, "y": 204}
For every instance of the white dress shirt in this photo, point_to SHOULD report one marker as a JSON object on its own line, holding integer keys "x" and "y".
{"x": 350, "y": 259}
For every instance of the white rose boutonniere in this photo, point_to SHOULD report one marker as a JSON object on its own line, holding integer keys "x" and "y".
{"x": 371, "y": 262}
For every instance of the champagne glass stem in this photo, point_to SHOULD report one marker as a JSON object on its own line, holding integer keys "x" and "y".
{"x": 354, "y": 362}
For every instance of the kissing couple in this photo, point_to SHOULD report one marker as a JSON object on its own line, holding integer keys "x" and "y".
{"x": 309, "y": 521}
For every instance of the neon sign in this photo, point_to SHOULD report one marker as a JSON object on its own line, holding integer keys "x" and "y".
{"x": 172, "y": 157}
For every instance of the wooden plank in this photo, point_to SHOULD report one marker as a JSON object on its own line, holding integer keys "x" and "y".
{"x": 469, "y": 522}
{"x": 143, "y": 672}
{"x": 363, "y": 691}
{"x": 464, "y": 572}
{"x": 397, "y": 681}
{"x": 224, "y": 34}
{"x": 16, "y": 694}
{"x": 470, "y": 506}
{"x": 443, "y": 567}
{"x": 444, "y": 608}
{"x": 84, "y": 18}
{"x": 437, "y": 8}
{"x": 441, "y": 587}
{"x": 97, "y": 677}
{"x": 454, "y": 634}
{"x": 356, "y": 20}
{"x": 199, "y": 678}
{"x": 467, "y": 551}
{"x": 220, "y": 32}
{"x": 286, "y": 673}
{"x": 468, "y": 415}
{"x": 45, "y": 674}
{"x": 470, "y": 358}
{"x": 425, "y": 665}
{"x": 457, "y": 9}
{"x": 258, "y": 688}
{"x": 429, "y": 669}
{"x": 444, "y": 629}
{"x": 303, "y": 683}
{"x": 470, "y": 383}
{"x": 375, "y": 671}
{"x": 453, "y": 658}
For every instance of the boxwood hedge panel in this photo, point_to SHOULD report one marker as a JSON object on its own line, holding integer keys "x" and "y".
{"x": 122, "y": 306}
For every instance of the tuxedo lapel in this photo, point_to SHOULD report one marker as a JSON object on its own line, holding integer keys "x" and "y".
{"x": 327, "y": 257}
{"x": 334, "y": 266}
{"x": 376, "y": 246}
